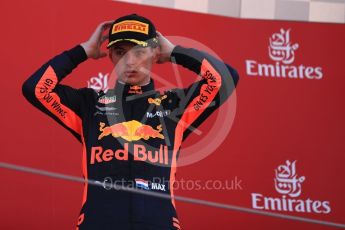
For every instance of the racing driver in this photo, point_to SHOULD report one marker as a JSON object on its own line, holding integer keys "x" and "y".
{"x": 131, "y": 133}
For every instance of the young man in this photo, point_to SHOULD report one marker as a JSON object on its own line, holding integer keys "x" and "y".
{"x": 131, "y": 134}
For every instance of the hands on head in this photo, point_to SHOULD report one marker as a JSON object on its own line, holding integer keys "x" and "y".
{"x": 92, "y": 46}
{"x": 165, "y": 48}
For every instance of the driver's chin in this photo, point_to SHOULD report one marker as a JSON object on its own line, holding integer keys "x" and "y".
{"x": 131, "y": 80}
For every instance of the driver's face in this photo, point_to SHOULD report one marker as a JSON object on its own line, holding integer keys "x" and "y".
{"x": 132, "y": 63}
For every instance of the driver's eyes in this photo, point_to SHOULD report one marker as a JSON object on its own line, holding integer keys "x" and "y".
{"x": 139, "y": 52}
{"x": 122, "y": 52}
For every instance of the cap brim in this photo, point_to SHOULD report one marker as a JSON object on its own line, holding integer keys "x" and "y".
{"x": 140, "y": 43}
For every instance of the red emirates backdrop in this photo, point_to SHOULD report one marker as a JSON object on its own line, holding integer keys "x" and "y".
{"x": 283, "y": 154}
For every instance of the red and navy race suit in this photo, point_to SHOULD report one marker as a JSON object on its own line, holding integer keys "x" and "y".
{"x": 131, "y": 135}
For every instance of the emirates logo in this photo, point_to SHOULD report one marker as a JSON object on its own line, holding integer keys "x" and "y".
{"x": 280, "y": 48}
{"x": 287, "y": 182}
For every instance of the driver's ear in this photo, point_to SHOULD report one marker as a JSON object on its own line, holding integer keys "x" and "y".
{"x": 156, "y": 52}
{"x": 110, "y": 50}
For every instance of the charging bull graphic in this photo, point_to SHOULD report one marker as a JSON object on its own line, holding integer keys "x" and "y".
{"x": 130, "y": 131}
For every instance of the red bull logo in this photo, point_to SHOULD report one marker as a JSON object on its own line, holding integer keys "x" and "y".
{"x": 140, "y": 153}
{"x": 130, "y": 131}
{"x": 135, "y": 89}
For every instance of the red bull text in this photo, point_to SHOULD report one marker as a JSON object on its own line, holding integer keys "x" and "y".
{"x": 140, "y": 153}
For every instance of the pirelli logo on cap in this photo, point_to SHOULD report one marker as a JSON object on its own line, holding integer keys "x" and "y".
{"x": 131, "y": 25}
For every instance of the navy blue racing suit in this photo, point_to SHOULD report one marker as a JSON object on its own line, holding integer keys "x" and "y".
{"x": 131, "y": 135}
